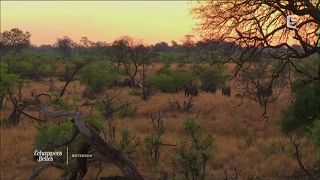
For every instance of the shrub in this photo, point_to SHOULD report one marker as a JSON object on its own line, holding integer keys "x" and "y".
{"x": 128, "y": 111}
{"x": 270, "y": 150}
{"x": 61, "y": 131}
{"x": 97, "y": 76}
{"x": 303, "y": 110}
{"x": 167, "y": 80}
{"x": 194, "y": 151}
{"x": 55, "y": 132}
{"x": 213, "y": 74}
{"x": 314, "y": 133}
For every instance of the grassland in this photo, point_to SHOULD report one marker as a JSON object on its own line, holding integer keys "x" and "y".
{"x": 243, "y": 139}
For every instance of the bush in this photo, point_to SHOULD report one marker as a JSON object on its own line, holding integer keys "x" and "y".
{"x": 128, "y": 111}
{"x": 97, "y": 76}
{"x": 55, "y": 132}
{"x": 197, "y": 69}
{"x": 194, "y": 151}
{"x": 213, "y": 74}
{"x": 170, "y": 58}
{"x": 314, "y": 133}
{"x": 61, "y": 131}
{"x": 95, "y": 120}
{"x": 303, "y": 110}
{"x": 168, "y": 80}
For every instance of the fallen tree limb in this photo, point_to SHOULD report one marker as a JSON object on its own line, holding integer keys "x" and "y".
{"x": 129, "y": 171}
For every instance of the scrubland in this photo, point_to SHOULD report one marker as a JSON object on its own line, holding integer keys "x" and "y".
{"x": 245, "y": 143}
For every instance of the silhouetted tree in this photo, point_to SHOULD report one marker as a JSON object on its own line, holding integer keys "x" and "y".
{"x": 14, "y": 40}
{"x": 242, "y": 23}
{"x": 65, "y": 47}
{"x": 119, "y": 49}
{"x": 162, "y": 47}
{"x": 45, "y": 48}
{"x": 188, "y": 45}
{"x": 136, "y": 55}
{"x": 252, "y": 32}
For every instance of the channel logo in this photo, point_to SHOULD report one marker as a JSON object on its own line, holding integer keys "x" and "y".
{"x": 292, "y": 21}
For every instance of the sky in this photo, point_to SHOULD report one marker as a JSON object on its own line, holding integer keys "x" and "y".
{"x": 151, "y": 21}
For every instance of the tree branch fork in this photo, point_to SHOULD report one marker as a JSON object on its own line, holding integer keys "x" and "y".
{"x": 129, "y": 171}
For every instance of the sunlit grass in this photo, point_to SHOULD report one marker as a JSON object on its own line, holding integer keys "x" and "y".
{"x": 230, "y": 126}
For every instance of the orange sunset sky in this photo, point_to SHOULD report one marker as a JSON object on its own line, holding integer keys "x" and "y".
{"x": 152, "y": 21}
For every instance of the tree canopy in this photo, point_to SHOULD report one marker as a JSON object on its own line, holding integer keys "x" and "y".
{"x": 14, "y": 40}
{"x": 260, "y": 26}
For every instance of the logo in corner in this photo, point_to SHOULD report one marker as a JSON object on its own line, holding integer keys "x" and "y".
{"x": 292, "y": 21}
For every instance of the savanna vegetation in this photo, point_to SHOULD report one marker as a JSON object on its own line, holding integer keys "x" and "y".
{"x": 129, "y": 111}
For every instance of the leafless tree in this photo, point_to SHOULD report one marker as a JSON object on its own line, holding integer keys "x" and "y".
{"x": 145, "y": 92}
{"x": 138, "y": 54}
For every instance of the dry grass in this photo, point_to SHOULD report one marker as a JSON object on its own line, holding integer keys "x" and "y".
{"x": 229, "y": 126}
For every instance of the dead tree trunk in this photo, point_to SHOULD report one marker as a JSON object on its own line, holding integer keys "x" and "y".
{"x": 129, "y": 171}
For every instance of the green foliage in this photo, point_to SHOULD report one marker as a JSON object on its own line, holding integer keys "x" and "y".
{"x": 148, "y": 142}
{"x": 250, "y": 140}
{"x": 95, "y": 120}
{"x": 161, "y": 82}
{"x": 7, "y": 82}
{"x": 125, "y": 138}
{"x": 98, "y": 75}
{"x": 303, "y": 110}
{"x": 122, "y": 71}
{"x": 153, "y": 142}
{"x": 116, "y": 103}
{"x": 213, "y": 74}
{"x": 197, "y": 69}
{"x": 28, "y": 64}
{"x": 168, "y": 80}
{"x": 61, "y": 131}
{"x": 128, "y": 111}
{"x": 271, "y": 149}
{"x": 314, "y": 132}
{"x": 128, "y": 142}
{"x": 132, "y": 92}
{"x": 297, "y": 85}
{"x": 194, "y": 151}
{"x": 55, "y": 132}
{"x": 61, "y": 103}
{"x": 309, "y": 64}
{"x": 14, "y": 40}
{"x": 169, "y": 58}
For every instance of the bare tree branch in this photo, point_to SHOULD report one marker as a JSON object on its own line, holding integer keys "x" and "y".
{"x": 94, "y": 139}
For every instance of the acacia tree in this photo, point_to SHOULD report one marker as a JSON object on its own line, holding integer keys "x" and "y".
{"x": 14, "y": 40}
{"x": 119, "y": 48}
{"x": 140, "y": 55}
{"x": 65, "y": 46}
{"x": 135, "y": 55}
{"x": 188, "y": 45}
{"x": 257, "y": 27}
